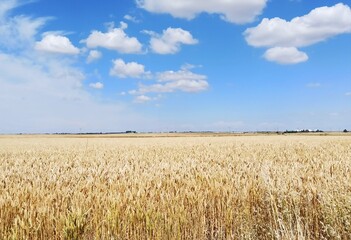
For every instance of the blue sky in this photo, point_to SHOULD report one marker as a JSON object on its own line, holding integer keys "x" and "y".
{"x": 185, "y": 65}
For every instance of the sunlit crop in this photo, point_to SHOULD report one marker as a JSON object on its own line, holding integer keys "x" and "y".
{"x": 202, "y": 187}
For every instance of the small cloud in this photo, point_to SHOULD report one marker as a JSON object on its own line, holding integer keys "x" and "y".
{"x": 285, "y": 55}
{"x": 115, "y": 39}
{"x": 131, "y": 18}
{"x": 314, "y": 85}
{"x": 123, "y": 25}
{"x": 56, "y": 44}
{"x": 122, "y": 69}
{"x": 151, "y": 33}
{"x": 170, "y": 81}
{"x": 188, "y": 66}
{"x": 348, "y": 94}
{"x": 142, "y": 99}
{"x": 109, "y": 25}
{"x": 93, "y": 56}
{"x": 133, "y": 92}
{"x": 97, "y": 85}
{"x": 170, "y": 41}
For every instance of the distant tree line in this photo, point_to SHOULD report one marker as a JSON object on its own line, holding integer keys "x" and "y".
{"x": 303, "y": 131}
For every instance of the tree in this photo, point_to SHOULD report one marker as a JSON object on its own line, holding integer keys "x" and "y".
{"x": 345, "y": 131}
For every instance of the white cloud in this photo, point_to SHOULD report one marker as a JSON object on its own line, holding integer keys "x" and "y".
{"x": 171, "y": 40}
{"x": 183, "y": 74}
{"x": 123, "y": 26}
{"x": 317, "y": 26}
{"x": 93, "y": 56}
{"x": 40, "y": 93}
{"x": 48, "y": 97}
{"x": 235, "y": 11}
{"x": 131, "y": 18}
{"x": 56, "y": 44}
{"x": 114, "y": 39}
{"x": 122, "y": 69}
{"x": 142, "y": 99}
{"x": 97, "y": 85}
{"x": 17, "y": 32}
{"x": 188, "y": 66}
{"x": 348, "y": 94}
{"x": 285, "y": 55}
{"x": 7, "y": 5}
{"x": 145, "y": 99}
{"x": 170, "y": 81}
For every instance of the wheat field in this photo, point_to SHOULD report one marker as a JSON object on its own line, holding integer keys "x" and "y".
{"x": 184, "y": 187}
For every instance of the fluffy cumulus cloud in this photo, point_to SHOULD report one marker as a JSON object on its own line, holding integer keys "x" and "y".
{"x": 93, "y": 56}
{"x": 122, "y": 69}
{"x": 285, "y": 55}
{"x": 56, "y": 44}
{"x": 317, "y": 26}
{"x": 44, "y": 93}
{"x": 235, "y": 11}
{"x": 171, "y": 40}
{"x": 170, "y": 81}
{"x": 115, "y": 39}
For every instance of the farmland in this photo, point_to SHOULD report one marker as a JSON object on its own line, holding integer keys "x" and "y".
{"x": 175, "y": 187}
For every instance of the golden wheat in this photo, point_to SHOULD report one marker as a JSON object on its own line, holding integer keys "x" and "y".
{"x": 242, "y": 187}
